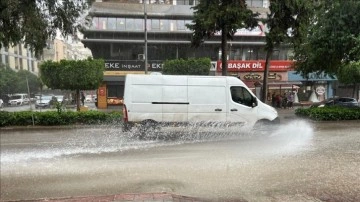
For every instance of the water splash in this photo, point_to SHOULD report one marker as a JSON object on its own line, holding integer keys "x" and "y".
{"x": 293, "y": 137}
{"x": 105, "y": 139}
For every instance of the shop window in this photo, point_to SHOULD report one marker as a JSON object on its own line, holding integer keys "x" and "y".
{"x": 120, "y": 23}
{"x": 241, "y": 95}
{"x": 115, "y": 94}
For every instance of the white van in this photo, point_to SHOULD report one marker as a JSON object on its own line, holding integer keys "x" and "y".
{"x": 186, "y": 99}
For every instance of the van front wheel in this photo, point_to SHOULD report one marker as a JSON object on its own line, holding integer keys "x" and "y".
{"x": 266, "y": 125}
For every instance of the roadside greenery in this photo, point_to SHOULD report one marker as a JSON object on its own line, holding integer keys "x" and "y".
{"x": 329, "y": 113}
{"x": 73, "y": 75}
{"x": 192, "y": 66}
{"x": 34, "y": 22}
{"x": 15, "y": 82}
{"x": 54, "y": 118}
{"x": 334, "y": 40}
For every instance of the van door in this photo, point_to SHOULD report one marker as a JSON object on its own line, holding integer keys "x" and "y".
{"x": 241, "y": 109}
{"x": 207, "y": 103}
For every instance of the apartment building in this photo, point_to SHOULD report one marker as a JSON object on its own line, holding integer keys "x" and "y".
{"x": 60, "y": 49}
{"x": 19, "y": 58}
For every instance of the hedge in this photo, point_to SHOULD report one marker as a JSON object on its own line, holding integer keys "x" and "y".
{"x": 53, "y": 118}
{"x": 333, "y": 113}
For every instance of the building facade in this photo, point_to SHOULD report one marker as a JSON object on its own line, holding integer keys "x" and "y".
{"x": 118, "y": 35}
{"x": 19, "y": 58}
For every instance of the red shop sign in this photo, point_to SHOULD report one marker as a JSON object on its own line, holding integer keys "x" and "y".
{"x": 256, "y": 65}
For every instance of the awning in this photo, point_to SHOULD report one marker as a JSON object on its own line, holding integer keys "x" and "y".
{"x": 292, "y": 76}
{"x": 273, "y": 85}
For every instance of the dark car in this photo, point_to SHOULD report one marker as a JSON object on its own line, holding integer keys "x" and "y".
{"x": 338, "y": 101}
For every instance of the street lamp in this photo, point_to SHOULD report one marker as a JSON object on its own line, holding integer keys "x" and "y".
{"x": 145, "y": 48}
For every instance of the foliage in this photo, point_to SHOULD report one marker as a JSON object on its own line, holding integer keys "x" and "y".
{"x": 15, "y": 82}
{"x": 34, "y": 22}
{"x": 333, "y": 113}
{"x": 333, "y": 38}
{"x": 52, "y": 118}
{"x": 349, "y": 73}
{"x": 214, "y": 16}
{"x": 287, "y": 22}
{"x": 192, "y": 66}
{"x": 73, "y": 74}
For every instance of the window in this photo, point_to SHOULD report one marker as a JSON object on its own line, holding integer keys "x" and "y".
{"x": 180, "y": 25}
{"x": 155, "y": 24}
{"x": 241, "y": 95}
{"x": 164, "y": 25}
{"x": 139, "y": 24}
{"x": 95, "y": 23}
{"x": 130, "y": 24}
{"x": 188, "y": 22}
{"x": 255, "y": 3}
{"x": 249, "y": 54}
{"x": 16, "y": 63}
{"x": 275, "y": 55}
{"x": 21, "y": 63}
{"x": 120, "y": 23}
{"x": 102, "y": 23}
{"x": 111, "y": 23}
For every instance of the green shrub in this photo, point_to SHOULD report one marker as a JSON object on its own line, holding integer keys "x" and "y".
{"x": 191, "y": 66}
{"x": 52, "y": 118}
{"x": 329, "y": 113}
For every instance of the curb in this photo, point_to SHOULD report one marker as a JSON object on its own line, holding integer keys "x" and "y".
{"x": 160, "y": 197}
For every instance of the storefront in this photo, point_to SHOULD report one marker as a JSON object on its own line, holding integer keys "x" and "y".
{"x": 315, "y": 88}
{"x": 251, "y": 72}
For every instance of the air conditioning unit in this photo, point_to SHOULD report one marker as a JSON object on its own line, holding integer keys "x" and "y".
{"x": 141, "y": 56}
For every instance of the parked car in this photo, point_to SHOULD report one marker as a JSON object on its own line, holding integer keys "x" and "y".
{"x": 89, "y": 98}
{"x": 1, "y": 103}
{"x": 43, "y": 101}
{"x": 59, "y": 98}
{"x": 19, "y": 99}
{"x": 338, "y": 101}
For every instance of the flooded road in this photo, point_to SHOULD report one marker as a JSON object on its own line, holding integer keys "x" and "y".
{"x": 300, "y": 161}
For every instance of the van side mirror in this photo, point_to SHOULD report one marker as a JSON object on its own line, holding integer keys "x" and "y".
{"x": 254, "y": 102}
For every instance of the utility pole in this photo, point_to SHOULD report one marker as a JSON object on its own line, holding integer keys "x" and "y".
{"x": 145, "y": 48}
